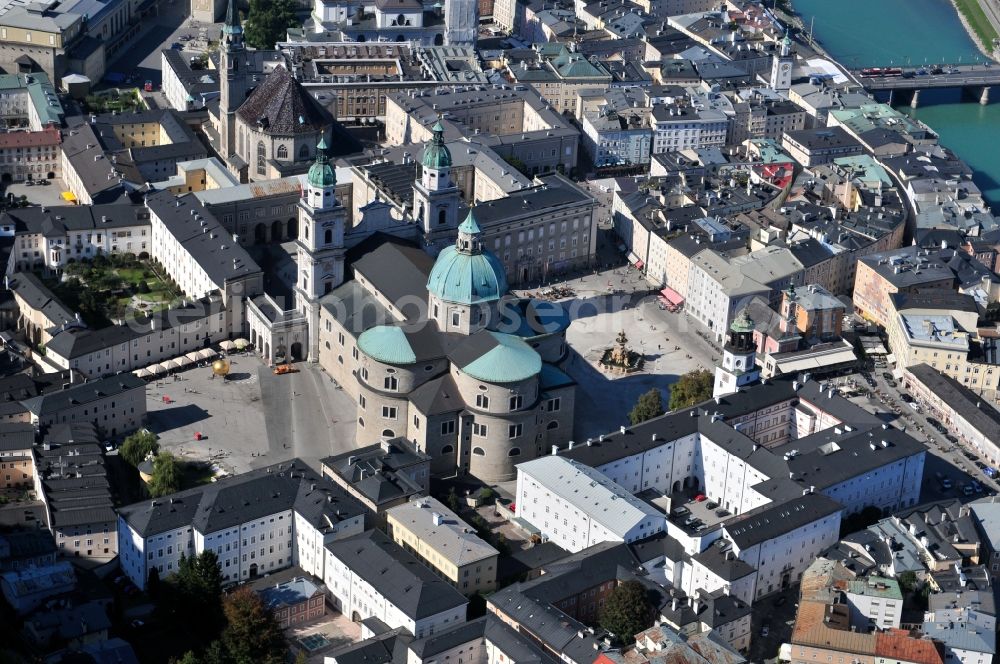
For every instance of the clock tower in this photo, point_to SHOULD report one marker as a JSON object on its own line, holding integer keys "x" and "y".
{"x": 781, "y": 66}
{"x": 320, "y": 244}
{"x": 739, "y": 358}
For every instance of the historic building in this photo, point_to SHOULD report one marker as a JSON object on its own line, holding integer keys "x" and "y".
{"x": 269, "y": 131}
{"x": 437, "y": 352}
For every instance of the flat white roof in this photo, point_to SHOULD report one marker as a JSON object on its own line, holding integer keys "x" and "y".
{"x": 592, "y": 492}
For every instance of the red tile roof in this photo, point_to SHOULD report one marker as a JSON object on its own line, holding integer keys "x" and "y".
{"x": 29, "y": 139}
{"x": 898, "y": 644}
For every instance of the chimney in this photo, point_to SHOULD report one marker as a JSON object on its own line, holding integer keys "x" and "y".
{"x": 437, "y": 518}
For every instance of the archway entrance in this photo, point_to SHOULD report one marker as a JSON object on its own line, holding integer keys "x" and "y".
{"x": 276, "y": 231}
{"x": 296, "y": 351}
{"x": 260, "y": 234}
{"x": 292, "y": 228}
{"x": 253, "y": 571}
{"x": 439, "y": 39}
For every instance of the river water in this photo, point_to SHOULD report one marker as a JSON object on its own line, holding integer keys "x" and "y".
{"x": 865, "y": 33}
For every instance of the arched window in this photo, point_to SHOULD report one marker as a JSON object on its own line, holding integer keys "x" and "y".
{"x": 514, "y": 451}
{"x": 439, "y": 39}
{"x": 478, "y": 451}
{"x": 282, "y": 152}
{"x": 261, "y": 158}
{"x": 442, "y": 217}
{"x": 388, "y": 433}
{"x": 447, "y": 449}
{"x": 328, "y": 236}
{"x": 400, "y": 20}
{"x": 304, "y": 152}
{"x": 552, "y": 425}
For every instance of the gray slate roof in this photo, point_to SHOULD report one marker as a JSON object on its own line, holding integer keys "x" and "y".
{"x": 396, "y": 575}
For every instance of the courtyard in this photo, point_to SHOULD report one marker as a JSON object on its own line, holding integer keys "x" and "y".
{"x": 111, "y": 287}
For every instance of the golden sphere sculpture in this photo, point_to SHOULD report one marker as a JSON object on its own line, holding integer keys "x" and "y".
{"x": 220, "y": 367}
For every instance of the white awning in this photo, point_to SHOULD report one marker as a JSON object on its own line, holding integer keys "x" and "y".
{"x": 227, "y": 345}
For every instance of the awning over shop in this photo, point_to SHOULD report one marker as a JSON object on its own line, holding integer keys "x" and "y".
{"x": 69, "y": 196}
{"x": 672, "y": 297}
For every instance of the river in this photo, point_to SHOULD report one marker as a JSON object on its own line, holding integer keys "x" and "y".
{"x": 865, "y": 33}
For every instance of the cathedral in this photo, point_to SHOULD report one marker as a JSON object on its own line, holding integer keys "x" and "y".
{"x": 415, "y": 321}
{"x": 269, "y": 130}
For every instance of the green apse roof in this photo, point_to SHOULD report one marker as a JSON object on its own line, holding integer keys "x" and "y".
{"x": 387, "y": 344}
{"x": 511, "y": 360}
{"x": 465, "y": 278}
{"x": 436, "y": 155}
{"x": 321, "y": 173}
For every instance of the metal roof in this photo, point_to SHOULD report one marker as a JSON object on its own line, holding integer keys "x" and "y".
{"x": 590, "y": 491}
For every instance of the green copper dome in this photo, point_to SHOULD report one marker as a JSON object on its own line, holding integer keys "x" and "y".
{"x": 436, "y": 155}
{"x": 388, "y": 344}
{"x": 742, "y": 322}
{"x": 509, "y": 360}
{"x": 321, "y": 173}
{"x": 466, "y": 273}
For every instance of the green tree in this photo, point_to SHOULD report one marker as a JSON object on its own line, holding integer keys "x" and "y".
{"x": 166, "y": 477}
{"x": 137, "y": 446}
{"x": 251, "y": 636}
{"x": 153, "y": 582}
{"x": 519, "y": 165}
{"x": 627, "y": 611}
{"x": 907, "y": 581}
{"x": 691, "y": 388}
{"x": 268, "y": 22}
{"x": 649, "y": 405}
{"x": 192, "y": 595}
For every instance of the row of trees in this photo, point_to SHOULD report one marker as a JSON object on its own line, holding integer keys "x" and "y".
{"x": 691, "y": 388}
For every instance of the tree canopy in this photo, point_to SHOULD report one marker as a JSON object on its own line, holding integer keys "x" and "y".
{"x": 268, "y": 22}
{"x": 191, "y": 597}
{"x": 649, "y": 405}
{"x": 166, "y": 478}
{"x": 691, "y": 388}
{"x": 137, "y": 446}
{"x": 627, "y": 611}
{"x": 251, "y": 636}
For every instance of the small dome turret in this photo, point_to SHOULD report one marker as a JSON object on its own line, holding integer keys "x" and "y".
{"x": 321, "y": 174}
{"x": 436, "y": 154}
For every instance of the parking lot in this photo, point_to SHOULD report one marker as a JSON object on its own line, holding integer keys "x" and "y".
{"x": 48, "y": 194}
{"x": 947, "y": 458}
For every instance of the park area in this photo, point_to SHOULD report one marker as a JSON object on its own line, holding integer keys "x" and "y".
{"x": 113, "y": 287}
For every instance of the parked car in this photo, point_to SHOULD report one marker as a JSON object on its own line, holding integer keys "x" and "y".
{"x": 887, "y": 375}
{"x": 906, "y": 397}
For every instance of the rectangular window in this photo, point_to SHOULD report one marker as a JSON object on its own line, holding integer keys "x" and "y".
{"x": 514, "y": 431}
{"x": 482, "y": 401}
{"x": 515, "y": 402}
{"x": 553, "y": 405}
{"x": 389, "y": 412}
{"x": 448, "y": 427}
{"x": 479, "y": 429}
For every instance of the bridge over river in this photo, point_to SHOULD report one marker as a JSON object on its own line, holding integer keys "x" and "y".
{"x": 975, "y": 79}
